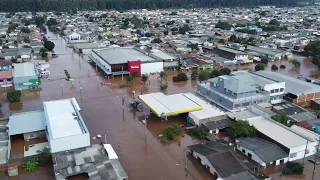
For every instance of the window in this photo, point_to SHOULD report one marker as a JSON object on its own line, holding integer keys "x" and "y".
{"x": 243, "y": 151}
{"x": 281, "y": 89}
{"x": 293, "y": 155}
{"x": 272, "y": 91}
{"x": 277, "y": 90}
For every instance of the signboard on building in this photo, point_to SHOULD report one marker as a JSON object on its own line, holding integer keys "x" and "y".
{"x": 170, "y": 63}
{"x": 134, "y": 66}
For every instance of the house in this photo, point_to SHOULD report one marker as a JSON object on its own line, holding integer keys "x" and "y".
{"x": 25, "y": 76}
{"x": 234, "y": 91}
{"x": 261, "y": 151}
{"x": 296, "y": 91}
{"x": 74, "y": 36}
{"x": 273, "y": 54}
{"x": 221, "y": 161}
{"x": 6, "y": 82}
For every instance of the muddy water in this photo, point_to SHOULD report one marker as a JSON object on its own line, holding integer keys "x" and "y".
{"x": 139, "y": 149}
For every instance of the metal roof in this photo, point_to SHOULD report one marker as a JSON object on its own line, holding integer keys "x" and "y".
{"x": 293, "y": 85}
{"x": 26, "y": 122}
{"x": 166, "y": 105}
{"x": 63, "y": 118}
{"x": 266, "y": 151}
{"x": 311, "y": 136}
{"x": 23, "y": 69}
{"x": 122, "y": 55}
{"x": 277, "y": 132}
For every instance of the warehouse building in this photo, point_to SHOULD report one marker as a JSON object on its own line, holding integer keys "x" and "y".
{"x": 128, "y": 60}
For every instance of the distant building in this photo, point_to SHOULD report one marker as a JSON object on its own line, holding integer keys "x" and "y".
{"x": 25, "y": 77}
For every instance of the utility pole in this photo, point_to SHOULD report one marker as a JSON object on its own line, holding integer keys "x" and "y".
{"x": 304, "y": 156}
{"x": 122, "y": 73}
{"x": 185, "y": 163}
{"x": 145, "y": 121}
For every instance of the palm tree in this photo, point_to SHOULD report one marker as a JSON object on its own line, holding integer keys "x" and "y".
{"x": 144, "y": 79}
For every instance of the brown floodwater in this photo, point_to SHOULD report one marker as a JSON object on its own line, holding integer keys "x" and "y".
{"x": 139, "y": 149}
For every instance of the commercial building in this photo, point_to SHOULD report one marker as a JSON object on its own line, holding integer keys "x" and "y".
{"x": 296, "y": 91}
{"x": 273, "y": 54}
{"x": 261, "y": 151}
{"x": 6, "y": 80}
{"x": 25, "y": 76}
{"x": 166, "y": 105}
{"x": 128, "y": 60}
{"x": 230, "y": 53}
{"x": 233, "y": 91}
{"x": 221, "y": 161}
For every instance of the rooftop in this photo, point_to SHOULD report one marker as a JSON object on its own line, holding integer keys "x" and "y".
{"x": 6, "y": 74}
{"x": 231, "y": 50}
{"x": 277, "y": 132}
{"x": 63, "y": 118}
{"x": 120, "y": 55}
{"x": 267, "y": 51}
{"x": 266, "y": 151}
{"x": 166, "y": 105}
{"x": 26, "y": 122}
{"x": 293, "y": 85}
{"x": 24, "y": 69}
{"x": 311, "y": 136}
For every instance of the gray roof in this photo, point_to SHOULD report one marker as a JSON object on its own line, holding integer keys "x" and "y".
{"x": 245, "y": 175}
{"x": 233, "y": 51}
{"x": 120, "y": 55}
{"x": 26, "y": 122}
{"x": 24, "y": 69}
{"x": 293, "y": 85}
{"x": 304, "y": 116}
{"x": 267, "y": 51}
{"x": 239, "y": 83}
{"x": 266, "y": 151}
{"x": 221, "y": 157}
{"x": 218, "y": 124}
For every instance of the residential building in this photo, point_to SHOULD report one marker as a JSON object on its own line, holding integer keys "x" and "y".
{"x": 6, "y": 82}
{"x": 25, "y": 76}
{"x": 261, "y": 151}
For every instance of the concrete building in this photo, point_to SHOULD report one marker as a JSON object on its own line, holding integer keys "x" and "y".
{"x": 230, "y": 53}
{"x": 65, "y": 126}
{"x": 25, "y": 76}
{"x": 269, "y": 53}
{"x": 220, "y": 160}
{"x": 126, "y": 60}
{"x": 261, "y": 151}
{"x": 234, "y": 91}
{"x": 6, "y": 80}
{"x": 297, "y": 91}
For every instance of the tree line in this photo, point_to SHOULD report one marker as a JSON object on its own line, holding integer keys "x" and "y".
{"x": 70, "y": 5}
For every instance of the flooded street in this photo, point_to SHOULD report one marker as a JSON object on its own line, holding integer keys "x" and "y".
{"x": 140, "y": 151}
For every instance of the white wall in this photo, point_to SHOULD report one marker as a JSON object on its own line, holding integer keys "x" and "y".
{"x": 86, "y": 51}
{"x": 300, "y": 150}
{"x": 102, "y": 62}
{"x": 147, "y": 68}
{"x": 205, "y": 162}
{"x": 269, "y": 87}
{"x": 32, "y": 135}
{"x": 69, "y": 143}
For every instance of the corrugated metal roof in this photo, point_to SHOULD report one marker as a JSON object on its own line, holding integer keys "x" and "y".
{"x": 26, "y": 122}
{"x": 24, "y": 69}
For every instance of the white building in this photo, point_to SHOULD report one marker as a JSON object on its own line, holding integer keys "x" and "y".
{"x": 262, "y": 151}
{"x": 74, "y": 36}
{"x": 293, "y": 144}
{"x": 66, "y": 129}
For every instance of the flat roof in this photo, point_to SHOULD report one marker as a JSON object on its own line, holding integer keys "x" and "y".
{"x": 268, "y": 51}
{"x": 311, "y": 136}
{"x": 166, "y": 105}
{"x": 293, "y": 85}
{"x": 208, "y": 110}
{"x": 277, "y": 132}
{"x": 23, "y": 69}
{"x": 61, "y": 116}
{"x": 161, "y": 55}
{"x": 111, "y": 153}
{"x": 230, "y": 50}
{"x": 26, "y": 122}
{"x": 120, "y": 55}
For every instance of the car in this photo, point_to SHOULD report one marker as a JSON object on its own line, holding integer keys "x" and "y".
{"x": 314, "y": 161}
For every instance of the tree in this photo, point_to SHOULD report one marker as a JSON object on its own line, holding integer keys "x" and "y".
{"x": 313, "y": 49}
{"x": 44, "y": 54}
{"x": 225, "y": 71}
{"x": 180, "y": 77}
{"x": 31, "y": 164}
{"x": 43, "y": 50}
{"x": 129, "y": 79}
{"x": 14, "y": 96}
{"x": 296, "y": 63}
{"x": 242, "y": 129}
{"x": 274, "y": 67}
{"x": 26, "y": 39}
{"x": 157, "y": 25}
{"x": 187, "y": 21}
{"x": 223, "y": 25}
{"x": 194, "y": 46}
{"x": 282, "y": 66}
{"x": 203, "y": 76}
{"x": 215, "y": 73}
{"x": 163, "y": 87}
{"x": 162, "y": 76}
{"x": 274, "y": 22}
{"x": 194, "y": 75}
{"x": 156, "y": 40}
{"x": 233, "y": 38}
{"x": 293, "y": 168}
{"x": 166, "y": 32}
{"x": 173, "y": 130}
{"x": 264, "y": 60}
{"x": 144, "y": 79}
{"x": 283, "y": 119}
{"x": 49, "y": 45}
{"x": 44, "y": 156}
{"x": 25, "y": 30}
{"x": 100, "y": 37}
{"x": 259, "y": 67}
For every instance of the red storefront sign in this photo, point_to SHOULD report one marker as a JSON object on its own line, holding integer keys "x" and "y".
{"x": 134, "y": 66}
